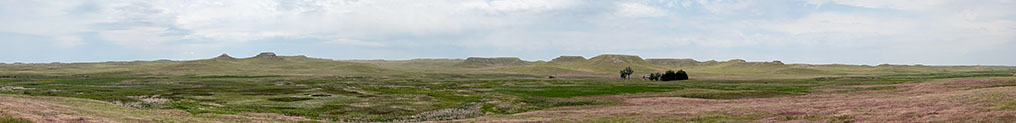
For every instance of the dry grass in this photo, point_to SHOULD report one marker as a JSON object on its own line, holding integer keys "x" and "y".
{"x": 60, "y": 109}
{"x": 971, "y": 100}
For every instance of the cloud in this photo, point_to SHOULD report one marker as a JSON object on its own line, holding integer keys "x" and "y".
{"x": 726, "y": 7}
{"x": 356, "y": 43}
{"x": 252, "y": 20}
{"x": 926, "y": 27}
{"x": 893, "y": 4}
{"x": 950, "y": 29}
{"x": 139, "y": 37}
{"x": 518, "y": 5}
{"x": 46, "y": 18}
{"x": 638, "y": 10}
{"x": 843, "y": 23}
{"x": 67, "y": 40}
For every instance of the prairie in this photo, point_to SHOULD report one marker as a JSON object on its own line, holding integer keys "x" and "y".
{"x": 269, "y": 88}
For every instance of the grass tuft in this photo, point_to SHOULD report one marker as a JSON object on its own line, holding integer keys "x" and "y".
{"x": 1010, "y": 105}
{"x": 575, "y": 91}
{"x": 4, "y": 118}
{"x": 289, "y": 99}
{"x": 737, "y": 95}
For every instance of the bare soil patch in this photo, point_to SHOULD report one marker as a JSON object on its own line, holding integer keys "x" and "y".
{"x": 37, "y": 111}
{"x": 63, "y": 110}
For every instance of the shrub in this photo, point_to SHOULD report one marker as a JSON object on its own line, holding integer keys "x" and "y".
{"x": 681, "y": 75}
{"x": 655, "y": 76}
{"x": 8, "y": 119}
{"x": 290, "y": 99}
{"x": 626, "y": 72}
{"x": 670, "y": 75}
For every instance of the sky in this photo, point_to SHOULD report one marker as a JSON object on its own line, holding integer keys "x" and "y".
{"x": 929, "y": 32}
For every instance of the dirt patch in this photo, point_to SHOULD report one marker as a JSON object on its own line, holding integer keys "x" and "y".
{"x": 582, "y": 75}
{"x": 62, "y": 110}
{"x": 262, "y": 117}
{"x": 939, "y": 101}
{"x": 43, "y": 112}
{"x": 170, "y": 72}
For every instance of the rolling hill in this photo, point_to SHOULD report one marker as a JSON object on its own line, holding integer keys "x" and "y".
{"x": 270, "y": 64}
{"x": 285, "y": 88}
{"x": 479, "y": 62}
{"x": 606, "y": 65}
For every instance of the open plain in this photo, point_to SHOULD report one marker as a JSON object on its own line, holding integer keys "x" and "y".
{"x": 271, "y": 88}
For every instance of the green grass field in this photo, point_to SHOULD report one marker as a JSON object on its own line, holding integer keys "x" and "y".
{"x": 427, "y": 90}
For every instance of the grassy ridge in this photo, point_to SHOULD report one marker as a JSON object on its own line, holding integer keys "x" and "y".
{"x": 603, "y": 65}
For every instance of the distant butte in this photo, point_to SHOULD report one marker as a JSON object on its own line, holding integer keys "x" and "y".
{"x": 268, "y": 56}
{"x": 224, "y": 57}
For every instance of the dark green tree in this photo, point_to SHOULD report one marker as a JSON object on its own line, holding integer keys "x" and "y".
{"x": 654, "y": 76}
{"x": 670, "y": 75}
{"x": 681, "y": 75}
{"x": 626, "y": 72}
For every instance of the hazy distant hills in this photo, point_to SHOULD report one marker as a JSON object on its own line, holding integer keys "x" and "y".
{"x": 262, "y": 64}
{"x": 603, "y": 65}
{"x": 478, "y": 62}
{"x": 270, "y": 64}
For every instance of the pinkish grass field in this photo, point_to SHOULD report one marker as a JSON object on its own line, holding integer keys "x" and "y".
{"x": 954, "y": 100}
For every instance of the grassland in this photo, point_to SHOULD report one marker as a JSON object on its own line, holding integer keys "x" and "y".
{"x": 978, "y": 99}
{"x": 296, "y": 88}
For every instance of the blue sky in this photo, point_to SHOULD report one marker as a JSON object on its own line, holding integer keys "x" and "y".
{"x": 931, "y": 32}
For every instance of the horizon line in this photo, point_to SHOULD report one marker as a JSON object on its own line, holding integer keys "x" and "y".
{"x": 527, "y": 60}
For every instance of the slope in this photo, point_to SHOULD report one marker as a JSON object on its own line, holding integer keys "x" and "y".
{"x": 270, "y": 64}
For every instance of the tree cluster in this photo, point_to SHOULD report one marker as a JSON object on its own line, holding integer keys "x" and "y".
{"x": 626, "y": 72}
{"x": 670, "y": 75}
{"x": 655, "y": 76}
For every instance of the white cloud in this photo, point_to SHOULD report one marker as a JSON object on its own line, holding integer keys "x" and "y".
{"x": 139, "y": 37}
{"x": 725, "y": 7}
{"x": 893, "y": 4}
{"x": 67, "y": 40}
{"x": 950, "y": 32}
{"x": 518, "y": 5}
{"x": 243, "y": 20}
{"x": 833, "y": 22}
{"x": 638, "y": 10}
{"x": 356, "y": 42}
{"x": 46, "y": 18}
{"x": 904, "y": 27}
{"x": 249, "y": 20}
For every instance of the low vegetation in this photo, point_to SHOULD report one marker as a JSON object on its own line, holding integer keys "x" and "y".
{"x": 626, "y": 73}
{"x": 670, "y": 75}
{"x": 387, "y": 91}
{"x": 4, "y": 118}
{"x": 395, "y": 98}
